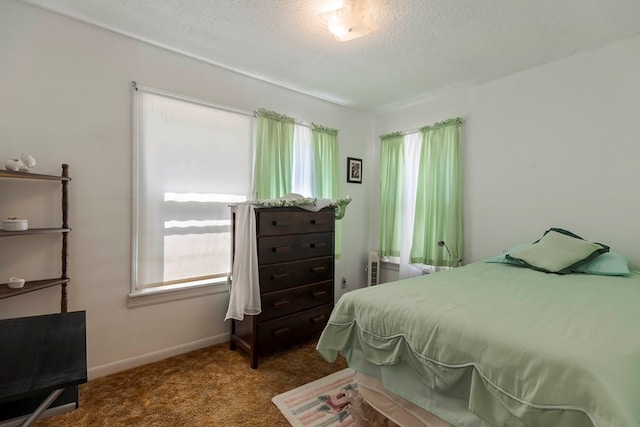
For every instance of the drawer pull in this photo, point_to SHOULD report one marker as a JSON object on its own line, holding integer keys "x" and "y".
{"x": 279, "y": 331}
{"x": 279, "y": 249}
{"x": 317, "y": 294}
{"x": 279, "y": 304}
{"x": 317, "y": 319}
{"x": 317, "y": 245}
{"x": 318, "y": 221}
{"x": 318, "y": 269}
{"x": 280, "y": 223}
{"x": 279, "y": 276}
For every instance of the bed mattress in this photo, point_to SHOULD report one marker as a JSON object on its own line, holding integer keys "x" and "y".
{"x": 517, "y": 347}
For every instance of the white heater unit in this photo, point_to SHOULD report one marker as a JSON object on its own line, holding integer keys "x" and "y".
{"x": 373, "y": 269}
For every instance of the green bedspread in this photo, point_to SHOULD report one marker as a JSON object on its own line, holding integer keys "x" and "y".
{"x": 523, "y": 348}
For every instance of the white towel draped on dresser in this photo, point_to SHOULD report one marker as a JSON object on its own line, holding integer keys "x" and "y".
{"x": 245, "y": 287}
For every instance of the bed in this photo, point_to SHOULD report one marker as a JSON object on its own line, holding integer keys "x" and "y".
{"x": 500, "y": 343}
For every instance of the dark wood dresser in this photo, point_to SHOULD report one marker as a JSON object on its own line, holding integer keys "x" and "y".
{"x": 296, "y": 268}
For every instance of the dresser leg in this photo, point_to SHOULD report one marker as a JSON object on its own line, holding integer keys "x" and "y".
{"x": 232, "y": 343}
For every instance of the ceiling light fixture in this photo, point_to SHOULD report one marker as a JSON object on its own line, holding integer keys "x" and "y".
{"x": 347, "y": 19}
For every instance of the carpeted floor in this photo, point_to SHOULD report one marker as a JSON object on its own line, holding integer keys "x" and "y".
{"x": 213, "y": 386}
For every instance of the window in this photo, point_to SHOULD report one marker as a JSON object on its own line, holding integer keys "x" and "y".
{"x": 421, "y": 198}
{"x": 192, "y": 159}
{"x": 293, "y": 158}
{"x": 303, "y": 161}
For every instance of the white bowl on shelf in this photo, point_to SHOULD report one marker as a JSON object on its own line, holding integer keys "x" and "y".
{"x": 15, "y": 224}
{"x": 15, "y": 282}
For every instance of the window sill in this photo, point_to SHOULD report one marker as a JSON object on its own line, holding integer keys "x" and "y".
{"x": 389, "y": 265}
{"x": 163, "y": 294}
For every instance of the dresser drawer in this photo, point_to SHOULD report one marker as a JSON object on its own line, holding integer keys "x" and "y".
{"x": 276, "y": 277}
{"x": 285, "y": 330}
{"x": 292, "y": 300}
{"x": 278, "y": 222}
{"x": 290, "y": 248}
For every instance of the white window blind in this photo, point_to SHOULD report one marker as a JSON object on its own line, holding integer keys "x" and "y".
{"x": 191, "y": 161}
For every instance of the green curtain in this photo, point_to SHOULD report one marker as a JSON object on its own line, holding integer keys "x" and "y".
{"x": 274, "y": 155}
{"x": 327, "y": 174}
{"x": 438, "y": 214}
{"x": 391, "y": 188}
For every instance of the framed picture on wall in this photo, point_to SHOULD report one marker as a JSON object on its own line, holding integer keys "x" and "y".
{"x": 354, "y": 170}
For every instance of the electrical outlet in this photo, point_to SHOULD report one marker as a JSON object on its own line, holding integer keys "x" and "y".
{"x": 344, "y": 283}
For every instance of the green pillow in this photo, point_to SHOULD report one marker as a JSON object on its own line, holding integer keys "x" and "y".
{"x": 558, "y": 251}
{"x": 607, "y": 264}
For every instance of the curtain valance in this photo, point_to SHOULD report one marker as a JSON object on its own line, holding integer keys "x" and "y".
{"x": 449, "y": 122}
{"x": 319, "y": 128}
{"x": 457, "y": 121}
{"x": 274, "y": 116}
{"x": 391, "y": 136}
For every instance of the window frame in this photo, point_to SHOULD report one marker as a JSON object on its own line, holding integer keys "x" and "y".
{"x": 170, "y": 291}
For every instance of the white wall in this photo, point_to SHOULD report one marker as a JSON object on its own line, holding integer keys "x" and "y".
{"x": 556, "y": 145}
{"x": 65, "y": 98}
{"x": 553, "y": 146}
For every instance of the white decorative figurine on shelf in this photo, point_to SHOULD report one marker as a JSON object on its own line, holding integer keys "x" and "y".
{"x": 13, "y": 165}
{"x": 28, "y": 162}
{"x": 24, "y": 164}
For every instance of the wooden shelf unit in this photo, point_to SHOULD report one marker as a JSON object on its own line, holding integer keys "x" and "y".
{"x": 63, "y": 280}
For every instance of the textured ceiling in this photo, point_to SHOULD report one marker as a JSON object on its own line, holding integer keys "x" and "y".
{"x": 419, "y": 49}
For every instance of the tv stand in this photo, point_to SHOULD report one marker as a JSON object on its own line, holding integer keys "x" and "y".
{"x": 42, "y": 362}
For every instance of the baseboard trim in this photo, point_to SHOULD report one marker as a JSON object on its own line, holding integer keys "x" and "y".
{"x": 143, "y": 359}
